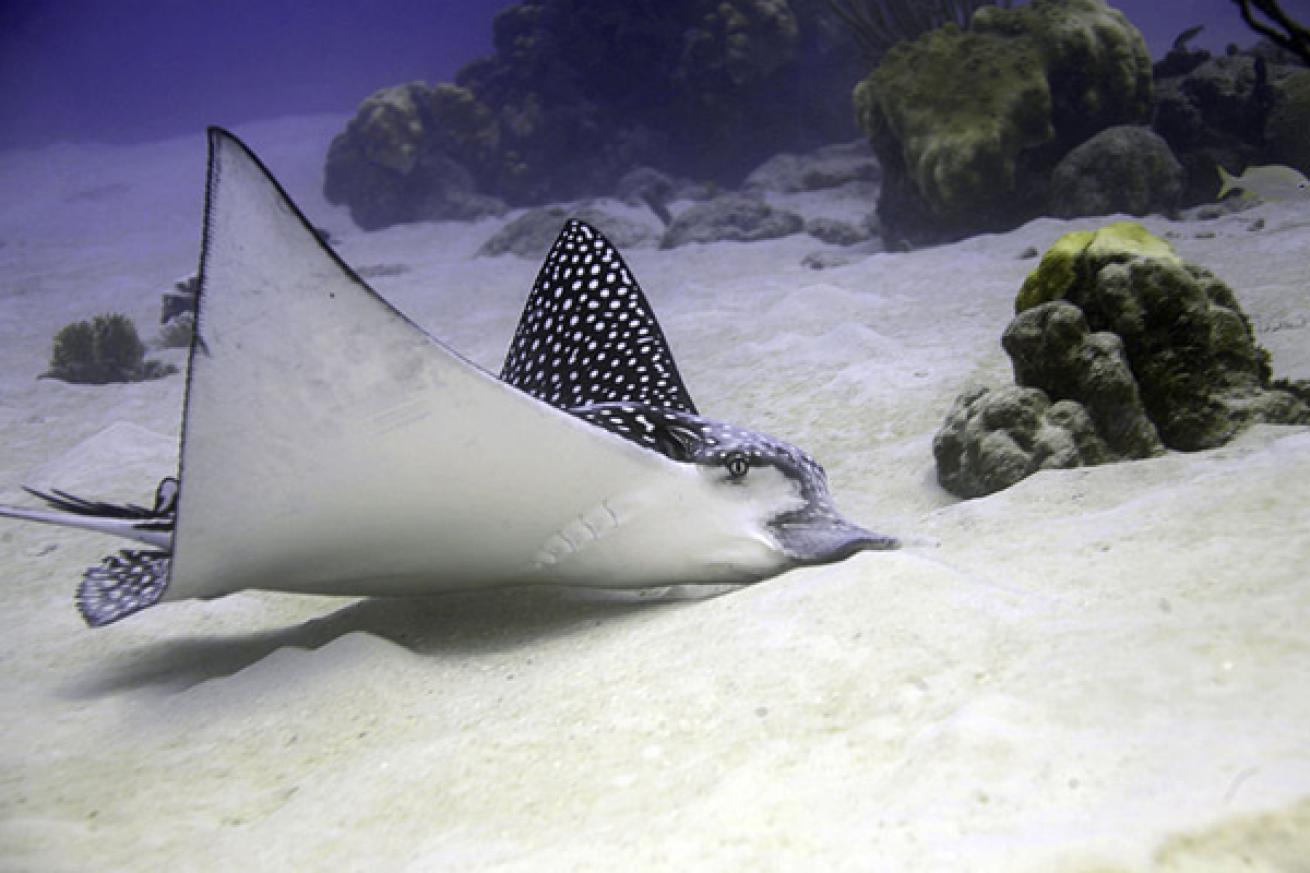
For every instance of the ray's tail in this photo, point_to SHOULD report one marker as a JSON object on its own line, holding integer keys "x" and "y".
{"x": 130, "y": 580}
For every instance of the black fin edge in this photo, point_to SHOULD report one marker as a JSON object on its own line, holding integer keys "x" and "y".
{"x": 165, "y": 503}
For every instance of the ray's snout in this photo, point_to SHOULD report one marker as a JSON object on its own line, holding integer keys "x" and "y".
{"x": 818, "y": 535}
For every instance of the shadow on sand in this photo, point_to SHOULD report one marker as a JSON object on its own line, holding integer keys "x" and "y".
{"x": 457, "y": 623}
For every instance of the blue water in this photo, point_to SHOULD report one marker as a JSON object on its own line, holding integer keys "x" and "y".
{"x": 134, "y": 70}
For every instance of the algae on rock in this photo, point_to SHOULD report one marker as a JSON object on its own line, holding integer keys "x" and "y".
{"x": 390, "y": 163}
{"x": 969, "y": 124}
{"x": 1156, "y": 353}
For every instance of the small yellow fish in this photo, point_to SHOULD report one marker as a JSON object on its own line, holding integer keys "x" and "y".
{"x": 1272, "y": 183}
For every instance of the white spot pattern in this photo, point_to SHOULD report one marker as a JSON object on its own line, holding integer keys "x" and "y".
{"x": 588, "y": 335}
{"x": 121, "y": 585}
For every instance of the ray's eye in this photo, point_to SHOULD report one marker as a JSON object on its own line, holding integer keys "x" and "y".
{"x": 737, "y": 464}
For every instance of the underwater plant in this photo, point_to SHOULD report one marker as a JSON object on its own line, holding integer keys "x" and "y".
{"x": 1293, "y": 36}
{"x": 880, "y": 24}
{"x": 105, "y": 349}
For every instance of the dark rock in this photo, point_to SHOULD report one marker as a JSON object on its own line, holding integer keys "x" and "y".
{"x": 625, "y": 233}
{"x": 1287, "y": 132}
{"x": 578, "y": 92}
{"x": 1121, "y": 169}
{"x": 1246, "y": 108}
{"x": 1052, "y": 349}
{"x": 648, "y": 186}
{"x": 994, "y": 438}
{"x": 528, "y": 236}
{"x": 388, "y": 169}
{"x": 640, "y": 183}
{"x": 735, "y": 217}
{"x": 828, "y": 167}
{"x": 532, "y": 233}
{"x": 827, "y": 259}
{"x": 835, "y": 232}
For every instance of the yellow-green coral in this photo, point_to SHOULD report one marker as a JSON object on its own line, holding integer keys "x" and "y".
{"x": 1064, "y": 262}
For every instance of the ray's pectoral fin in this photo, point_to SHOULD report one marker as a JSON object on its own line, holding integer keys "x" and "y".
{"x": 121, "y": 585}
{"x": 330, "y": 445}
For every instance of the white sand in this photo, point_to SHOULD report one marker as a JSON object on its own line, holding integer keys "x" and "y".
{"x": 1101, "y": 669}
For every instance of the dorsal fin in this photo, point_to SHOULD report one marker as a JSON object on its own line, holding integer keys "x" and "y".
{"x": 588, "y": 335}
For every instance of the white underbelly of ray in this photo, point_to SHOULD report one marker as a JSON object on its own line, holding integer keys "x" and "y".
{"x": 661, "y": 530}
{"x": 331, "y": 446}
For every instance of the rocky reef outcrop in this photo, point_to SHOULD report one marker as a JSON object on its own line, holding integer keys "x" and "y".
{"x": 1127, "y": 168}
{"x": 968, "y": 124}
{"x": 994, "y": 438}
{"x": 1244, "y": 108}
{"x": 732, "y": 217}
{"x": 580, "y": 92}
{"x": 396, "y": 161}
{"x": 1120, "y": 350}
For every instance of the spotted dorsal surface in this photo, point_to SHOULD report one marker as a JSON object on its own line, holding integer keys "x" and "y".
{"x": 332, "y": 446}
{"x": 588, "y": 336}
{"x": 588, "y": 343}
{"x": 812, "y": 532}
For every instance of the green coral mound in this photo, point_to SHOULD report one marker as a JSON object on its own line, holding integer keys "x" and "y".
{"x": 1067, "y": 262}
{"x": 105, "y": 349}
{"x": 959, "y": 107}
{"x": 1191, "y": 349}
{"x": 1120, "y": 350}
{"x": 964, "y": 121}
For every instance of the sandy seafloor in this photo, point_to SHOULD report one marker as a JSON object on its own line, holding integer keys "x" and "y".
{"x": 1101, "y": 669}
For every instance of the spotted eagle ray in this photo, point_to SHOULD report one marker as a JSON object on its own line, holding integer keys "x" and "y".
{"x": 332, "y": 446}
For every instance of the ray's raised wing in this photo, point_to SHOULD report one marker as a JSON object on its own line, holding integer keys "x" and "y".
{"x": 587, "y": 334}
{"x": 329, "y": 444}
